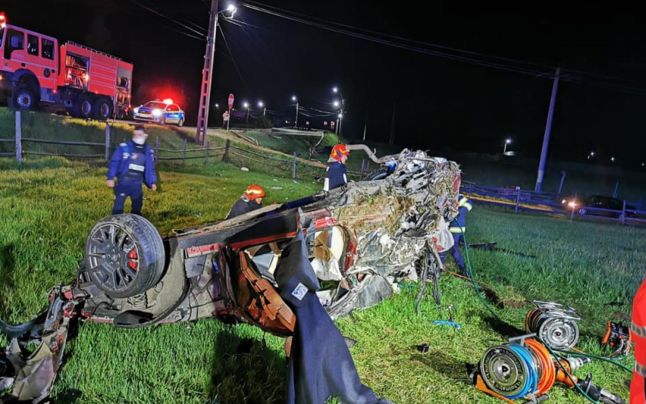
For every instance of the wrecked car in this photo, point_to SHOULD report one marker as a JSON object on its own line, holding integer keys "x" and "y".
{"x": 362, "y": 241}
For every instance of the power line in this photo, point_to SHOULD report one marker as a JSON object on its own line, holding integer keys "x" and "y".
{"x": 460, "y": 55}
{"x": 174, "y": 20}
{"x": 235, "y": 64}
{"x": 392, "y": 43}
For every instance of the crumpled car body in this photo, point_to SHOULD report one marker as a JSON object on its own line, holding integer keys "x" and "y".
{"x": 362, "y": 241}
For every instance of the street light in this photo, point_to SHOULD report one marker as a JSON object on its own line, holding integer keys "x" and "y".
{"x": 295, "y": 120}
{"x": 612, "y": 159}
{"x": 504, "y": 149}
{"x": 338, "y": 104}
{"x": 262, "y": 105}
{"x": 246, "y": 105}
{"x": 230, "y": 11}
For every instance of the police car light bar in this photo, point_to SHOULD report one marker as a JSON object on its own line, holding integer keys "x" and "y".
{"x": 168, "y": 101}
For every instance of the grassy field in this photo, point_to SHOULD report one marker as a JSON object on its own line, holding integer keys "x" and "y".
{"x": 48, "y": 206}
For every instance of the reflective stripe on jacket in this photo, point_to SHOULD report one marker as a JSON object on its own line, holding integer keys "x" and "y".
{"x": 638, "y": 330}
{"x": 122, "y": 162}
{"x": 460, "y": 221}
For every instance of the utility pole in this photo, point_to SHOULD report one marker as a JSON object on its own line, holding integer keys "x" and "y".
{"x": 548, "y": 132}
{"x": 296, "y": 120}
{"x": 207, "y": 76}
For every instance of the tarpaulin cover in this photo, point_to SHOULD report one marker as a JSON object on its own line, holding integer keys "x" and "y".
{"x": 320, "y": 364}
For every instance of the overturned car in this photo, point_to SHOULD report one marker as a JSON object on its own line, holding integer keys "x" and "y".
{"x": 361, "y": 240}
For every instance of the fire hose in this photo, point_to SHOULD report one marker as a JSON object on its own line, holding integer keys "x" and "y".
{"x": 533, "y": 366}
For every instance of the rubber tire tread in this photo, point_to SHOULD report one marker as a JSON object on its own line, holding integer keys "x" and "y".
{"x": 97, "y": 108}
{"x": 76, "y": 108}
{"x": 14, "y": 97}
{"x": 150, "y": 245}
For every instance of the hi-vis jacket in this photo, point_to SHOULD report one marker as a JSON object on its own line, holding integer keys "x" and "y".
{"x": 638, "y": 336}
{"x": 458, "y": 225}
{"x": 130, "y": 162}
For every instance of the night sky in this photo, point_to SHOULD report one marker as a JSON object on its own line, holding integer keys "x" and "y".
{"x": 442, "y": 105}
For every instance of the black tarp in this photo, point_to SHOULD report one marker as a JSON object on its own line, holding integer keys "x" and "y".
{"x": 320, "y": 364}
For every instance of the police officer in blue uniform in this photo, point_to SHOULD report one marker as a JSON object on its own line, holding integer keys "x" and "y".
{"x": 457, "y": 228}
{"x": 336, "y": 173}
{"x": 133, "y": 164}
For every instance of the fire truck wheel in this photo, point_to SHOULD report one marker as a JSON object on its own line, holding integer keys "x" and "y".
{"x": 124, "y": 255}
{"x": 103, "y": 109}
{"x": 23, "y": 97}
{"x": 82, "y": 107}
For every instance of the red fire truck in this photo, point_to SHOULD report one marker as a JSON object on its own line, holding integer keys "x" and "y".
{"x": 35, "y": 70}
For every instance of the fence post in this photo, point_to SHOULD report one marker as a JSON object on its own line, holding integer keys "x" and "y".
{"x": 517, "y": 199}
{"x": 227, "y": 145}
{"x": 107, "y": 140}
{"x": 157, "y": 148}
{"x": 294, "y": 166}
{"x": 623, "y": 213}
{"x": 184, "y": 152}
{"x": 562, "y": 181}
{"x": 18, "y": 137}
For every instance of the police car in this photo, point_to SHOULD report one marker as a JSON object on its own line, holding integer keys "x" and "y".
{"x": 161, "y": 112}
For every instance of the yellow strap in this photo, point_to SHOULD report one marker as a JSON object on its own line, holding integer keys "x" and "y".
{"x": 468, "y": 206}
{"x": 457, "y": 229}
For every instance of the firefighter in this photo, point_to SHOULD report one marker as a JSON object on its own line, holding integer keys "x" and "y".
{"x": 132, "y": 164}
{"x": 336, "y": 173}
{"x": 250, "y": 200}
{"x": 457, "y": 229}
{"x": 638, "y": 336}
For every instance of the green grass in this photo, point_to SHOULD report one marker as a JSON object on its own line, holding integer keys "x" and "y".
{"x": 49, "y": 205}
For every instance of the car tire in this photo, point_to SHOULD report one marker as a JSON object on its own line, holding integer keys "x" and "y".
{"x": 124, "y": 255}
{"x": 24, "y": 97}
{"x": 103, "y": 109}
{"x": 83, "y": 107}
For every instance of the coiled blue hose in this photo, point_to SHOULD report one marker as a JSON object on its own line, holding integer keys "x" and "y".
{"x": 531, "y": 381}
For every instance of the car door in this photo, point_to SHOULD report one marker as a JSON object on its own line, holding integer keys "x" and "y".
{"x": 172, "y": 113}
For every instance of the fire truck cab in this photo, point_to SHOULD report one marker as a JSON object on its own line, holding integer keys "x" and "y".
{"x": 35, "y": 69}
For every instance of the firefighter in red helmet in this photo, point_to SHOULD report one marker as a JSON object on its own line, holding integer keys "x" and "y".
{"x": 336, "y": 173}
{"x": 638, "y": 336}
{"x": 250, "y": 200}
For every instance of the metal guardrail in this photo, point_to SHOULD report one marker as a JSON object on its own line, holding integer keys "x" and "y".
{"x": 549, "y": 204}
